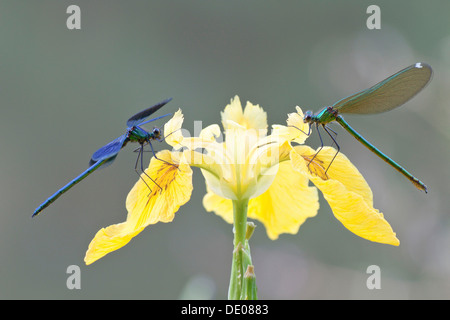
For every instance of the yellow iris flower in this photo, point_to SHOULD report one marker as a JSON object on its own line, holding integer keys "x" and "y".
{"x": 268, "y": 171}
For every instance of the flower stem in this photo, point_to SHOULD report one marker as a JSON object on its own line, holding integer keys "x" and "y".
{"x": 240, "y": 208}
{"x": 242, "y": 283}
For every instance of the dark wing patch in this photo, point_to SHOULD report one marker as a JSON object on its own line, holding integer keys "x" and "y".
{"x": 141, "y": 116}
{"x": 109, "y": 151}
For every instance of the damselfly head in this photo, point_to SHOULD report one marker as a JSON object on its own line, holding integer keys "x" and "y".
{"x": 156, "y": 133}
{"x": 307, "y": 117}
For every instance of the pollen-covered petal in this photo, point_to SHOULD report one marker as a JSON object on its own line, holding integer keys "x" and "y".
{"x": 172, "y": 187}
{"x": 172, "y": 129}
{"x": 346, "y": 191}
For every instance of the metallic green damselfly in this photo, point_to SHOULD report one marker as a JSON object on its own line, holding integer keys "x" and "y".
{"x": 384, "y": 96}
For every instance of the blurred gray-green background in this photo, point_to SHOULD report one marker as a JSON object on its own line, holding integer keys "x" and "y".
{"x": 65, "y": 93}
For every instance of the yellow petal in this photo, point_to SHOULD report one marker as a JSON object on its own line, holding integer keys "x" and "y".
{"x": 210, "y": 133}
{"x": 218, "y": 184}
{"x": 172, "y": 129}
{"x": 347, "y": 193}
{"x": 146, "y": 207}
{"x": 287, "y": 203}
{"x": 298, "y": 129}
{"x": 253, "y": 117}
{"x": 159, "y": 205}
{"x": 220, "y": 206}
{"x": 107, "y": 240}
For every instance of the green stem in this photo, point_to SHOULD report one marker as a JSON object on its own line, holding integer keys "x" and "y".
{"x": 240, "y": 208}
{"x": 239, "y": 280}
{"x": 249, "y": 286}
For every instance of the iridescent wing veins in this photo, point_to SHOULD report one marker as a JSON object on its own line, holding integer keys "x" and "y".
{"x": 389, "y": 93}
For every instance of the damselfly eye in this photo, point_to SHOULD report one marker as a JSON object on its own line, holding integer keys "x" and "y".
{"x": 307, "y": 117}
{"x": 156, "y": 131}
